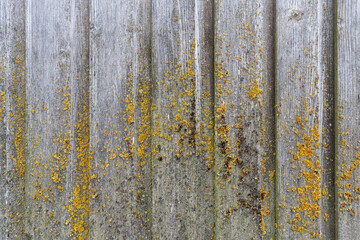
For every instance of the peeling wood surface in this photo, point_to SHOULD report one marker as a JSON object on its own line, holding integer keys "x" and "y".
{"x": 305, "y": 145}
{"x": 196, "y": 119}
{"x": 244, "y": 138}
{"x": 347, "y": 120}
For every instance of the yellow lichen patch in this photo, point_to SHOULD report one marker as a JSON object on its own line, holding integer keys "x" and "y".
{"x": 2, "y": 102}
{"x": 78, "y": 208}
{"x": 255, "y": 91}
{"x": 308, "y": 190}
{"x": 347, "y": 175}
{"x": 130, "y": 109}
{"x": 348, "y": 192}
{"x": 178, "y": 117}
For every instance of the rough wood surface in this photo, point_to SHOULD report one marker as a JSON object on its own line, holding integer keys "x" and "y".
{"x": 57, "y": 131}
{"x": 244, "y": 91}
{"x": 120, "y": 199}
{"x": 305, "y": 145}
{"x": 3, "y": 165}
{"x": 182, "y": 119}
{"x": 179, "y": 119}
{"x": 12, "y": 118}
{"x": 347, "y": 120}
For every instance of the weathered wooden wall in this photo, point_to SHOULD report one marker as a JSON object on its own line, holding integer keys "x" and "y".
{"x": 187, "y": 119}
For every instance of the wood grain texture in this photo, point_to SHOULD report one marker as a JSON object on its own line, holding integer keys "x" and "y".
{"x": 305, "y": 145}
{"x": 3, "y": 202}
{"x": 57, "y": 126}
{"x": 120, "y": 199}
{"x": 244, "y": 35}
{"x": 179, "y": 119}
{"x": 182, "y": 119}
{"x": 12, "y": 115}
{"x": 347, "y": 120}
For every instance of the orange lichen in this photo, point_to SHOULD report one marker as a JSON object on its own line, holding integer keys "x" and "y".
{"x": 255, "y": 91}
{"x": 347, "y": 175}
{"x": 79, "y": 203}
{"x": 309, "y": 191}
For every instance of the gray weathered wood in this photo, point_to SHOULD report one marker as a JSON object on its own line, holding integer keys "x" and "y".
{"x": 244, "y": 119}
{"x": 13, "y": 130}
{"x": 3, "y": 199}
{"x": 179, "y": 119}
{"x": 347, "y": 120}
{"x": 57, "y": 111}
{"x": 182, "y": 119}
{"x": 120, "y": 199}
{"x": 305, "y": 160}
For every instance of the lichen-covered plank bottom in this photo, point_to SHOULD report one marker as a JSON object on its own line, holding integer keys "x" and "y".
{"x": 305, "y": 146}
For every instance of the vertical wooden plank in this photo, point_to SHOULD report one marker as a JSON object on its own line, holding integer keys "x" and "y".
{"x": 13, "y": 100}
{"x": 58, "y": 139}
{"x": 3, "y": 208}
{"x": 305, "y": 159}
{"x": 244, "y": 119}
{"x": 347, "y": 119}
{"x": 120, "y": 119}
{"x": 182, "y": 119}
